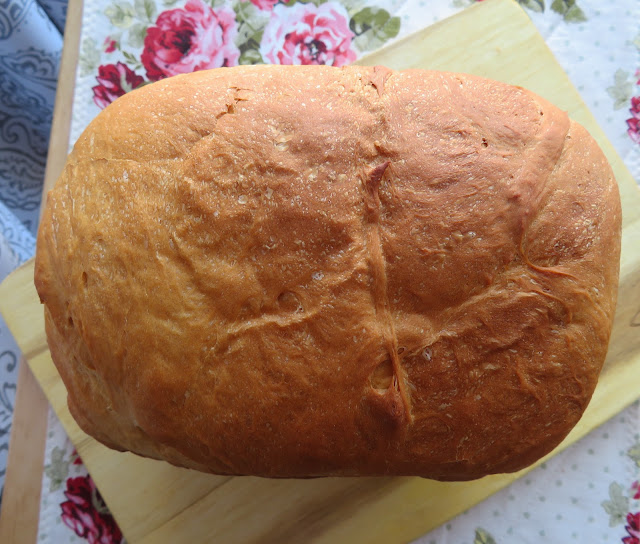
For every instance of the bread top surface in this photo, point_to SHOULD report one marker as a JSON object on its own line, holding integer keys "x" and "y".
{"x": 312, "y": 271}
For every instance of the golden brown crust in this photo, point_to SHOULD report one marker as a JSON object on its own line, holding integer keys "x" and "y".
{"x": 311, "y": 271}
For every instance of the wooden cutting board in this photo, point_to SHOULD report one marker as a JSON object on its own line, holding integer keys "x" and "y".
{"x": 155, "y": 503}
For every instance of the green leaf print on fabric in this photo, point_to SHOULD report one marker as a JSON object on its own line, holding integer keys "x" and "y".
{"x": 373, "y": 27}
{"x": 133, "y": 62}
{"x": 136, "y": 35}
{"x": 617, "y": 506}
{"x": 121, "y": 14}
{"x": 462, "y": 3}
{"x": 250, "y": 56}
{"x": 483, "y": 537}
{"x": 316, "y": 3}
{"x": 634, "y": 453}
{"x": 145, "y": 10}
{"x": 89, "y": 57}
{"x": 251, "y": 22}
{"x": 569, "y": 10}
{"x": 621, "y": 89}
{"x": 533, "y": 5}
{"x": 58, "y": 470}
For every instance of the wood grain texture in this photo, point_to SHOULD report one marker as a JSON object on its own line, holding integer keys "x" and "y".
{"x": 157, "y": 503}
{"x": 21, "y": 497}
{"x": 23, "y": 480}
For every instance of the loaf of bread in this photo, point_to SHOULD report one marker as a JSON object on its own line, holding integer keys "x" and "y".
{"x": 313, "y": 271}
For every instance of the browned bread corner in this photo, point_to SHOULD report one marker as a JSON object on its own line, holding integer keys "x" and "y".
{"x": 313, "y": 271}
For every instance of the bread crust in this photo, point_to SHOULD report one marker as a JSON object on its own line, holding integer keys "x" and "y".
{"x": 313, "y": 271}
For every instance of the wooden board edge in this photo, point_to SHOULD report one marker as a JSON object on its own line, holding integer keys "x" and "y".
{"x": 19, "y": 286}
{"x": 25, "y": 462}
{"x": 13, "y": 281}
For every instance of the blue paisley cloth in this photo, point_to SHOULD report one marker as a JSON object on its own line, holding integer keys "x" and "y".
{"x": 30, "y": 50}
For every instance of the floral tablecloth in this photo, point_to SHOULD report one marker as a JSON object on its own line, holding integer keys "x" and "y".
{"x": 590, "y": 492}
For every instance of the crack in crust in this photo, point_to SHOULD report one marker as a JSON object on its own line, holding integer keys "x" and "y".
{"x": 377, "y": 266}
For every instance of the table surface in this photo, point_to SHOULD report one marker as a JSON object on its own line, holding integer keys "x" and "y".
{"x": 19, "y": 516}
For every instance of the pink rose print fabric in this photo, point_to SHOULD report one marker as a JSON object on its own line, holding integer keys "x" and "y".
{"x": 114, "y": 80}
{"x": 85, "y": 513}
{"x": 308, "y": 34}
{"x": 267, "y": 5}
{"x": 634, "y": 122}
{"x": 193, "y": 38}
{"x": 633, "y": 528}
{"x": 198, "y": 36}
{"x": 109, "y": 45}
